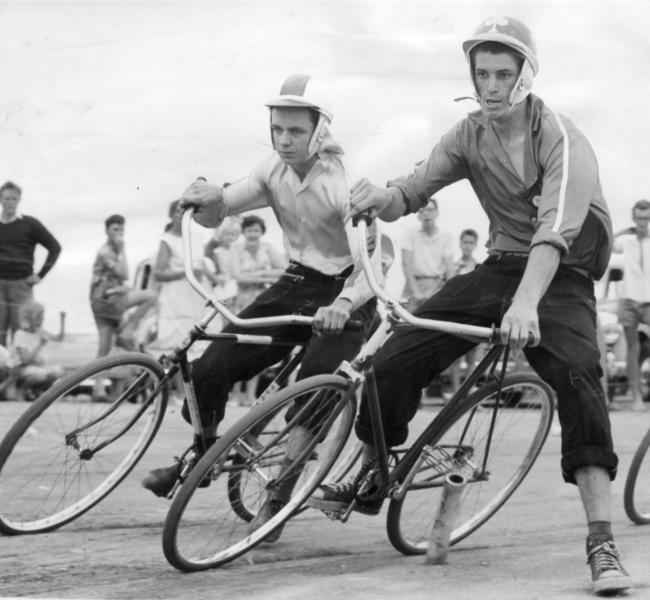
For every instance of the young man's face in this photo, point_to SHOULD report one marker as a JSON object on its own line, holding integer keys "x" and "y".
{"x": 115, "y": 232}
{"x": 641, "y": 218}
{"x": 495, "y": 76}
{"x": 291, "y": 130}
{"x": 467, "y": 245}
{"x": 9, "y": 200}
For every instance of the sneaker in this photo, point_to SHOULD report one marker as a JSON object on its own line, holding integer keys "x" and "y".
{"x": 607, "y": 574}
{"x": 161, "y": 481}
{"x": 271, "y": 507}
{"x": 336, "y": 497}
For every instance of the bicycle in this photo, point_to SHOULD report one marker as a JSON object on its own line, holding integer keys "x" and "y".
{"x": 66, "y": 453}
{"x": 636, "y": 494}
{"x": 200, "y": 532}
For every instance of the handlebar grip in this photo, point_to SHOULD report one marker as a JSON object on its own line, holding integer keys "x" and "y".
{"x": 362, "y": 216}
{"x": 496, "y": 336}
{"x": 353, "y": 325}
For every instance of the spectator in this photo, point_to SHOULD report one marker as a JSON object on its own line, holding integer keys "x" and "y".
{"x": 427, "y": 256}
{"x": 634, "y": 299}
{"x": 28, "y": 367}
{"x": 110, "y": 296}
{"x": 179, "y": 306}
{"x": 254, "y": 263}
{"x": 19, "y": 235}
{"x": 468, "y": 243}
{"x": 218, "y": 250}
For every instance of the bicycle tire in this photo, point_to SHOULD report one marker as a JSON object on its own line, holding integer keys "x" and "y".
{"x": 338, "y": 472}
{"x": 637, "y": 488}
{"x": 58, "y": 459}
{"x": 201, "y": 530}
{"x": 523, "y": 426}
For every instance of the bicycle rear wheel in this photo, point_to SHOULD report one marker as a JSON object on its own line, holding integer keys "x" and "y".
{"x": 460, "y": 444}
{"x": 204, "y": 529}
{"x": 67, "y": 452}
{"x": 636, "y": 497}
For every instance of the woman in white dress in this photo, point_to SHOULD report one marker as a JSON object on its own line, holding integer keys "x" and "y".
{"x": 179, "y": 306}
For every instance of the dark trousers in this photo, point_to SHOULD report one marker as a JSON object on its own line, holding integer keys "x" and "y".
{"x": 567, "y": 357}
{"x": 299, "y": 291}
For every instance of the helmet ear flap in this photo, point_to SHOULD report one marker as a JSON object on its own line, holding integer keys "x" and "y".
{"x": 319, "y": 134}
{"x": 523, "y": 84}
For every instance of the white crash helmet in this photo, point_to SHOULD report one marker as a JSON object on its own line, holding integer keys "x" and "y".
{"x": 514, "y": 34}
{"x": 302, "y": 91}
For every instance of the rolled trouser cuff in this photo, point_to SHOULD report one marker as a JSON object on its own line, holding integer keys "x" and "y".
{"x": 588, "y": 456}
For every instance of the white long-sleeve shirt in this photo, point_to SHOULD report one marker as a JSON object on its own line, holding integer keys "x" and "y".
{"x": 314, "y": 215}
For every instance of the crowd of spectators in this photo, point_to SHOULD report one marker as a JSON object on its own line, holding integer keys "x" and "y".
{"x": 237, "y": 263}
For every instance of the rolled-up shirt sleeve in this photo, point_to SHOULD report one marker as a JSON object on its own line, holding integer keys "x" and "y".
{"x": 570, "y": 177}
{"x": 445, "y": 165}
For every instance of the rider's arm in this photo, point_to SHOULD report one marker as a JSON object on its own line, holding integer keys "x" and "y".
{"x": 521, "y": 320}
{"x": 406, "y": 195}
{"x": 212, "y": 203}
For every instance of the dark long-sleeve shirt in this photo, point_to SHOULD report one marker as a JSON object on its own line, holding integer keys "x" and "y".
{"x": 18, "y": 240}
{"x": 559, "y": 201}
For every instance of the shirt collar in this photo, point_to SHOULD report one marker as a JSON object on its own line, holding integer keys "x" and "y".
{"x": 534, "y": 109}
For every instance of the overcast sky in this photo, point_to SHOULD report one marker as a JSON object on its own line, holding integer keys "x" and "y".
{"x": 116, "y": 106}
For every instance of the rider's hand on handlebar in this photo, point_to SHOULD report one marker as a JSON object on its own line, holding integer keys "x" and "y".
{"x": 520, "y": 326}
{"x": 331, "y": 319}
{"x": 207, "y": 201}
{"x": 366, "y": 197}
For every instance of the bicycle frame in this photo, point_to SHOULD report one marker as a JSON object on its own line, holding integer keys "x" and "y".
{"x": 361, "y": 370}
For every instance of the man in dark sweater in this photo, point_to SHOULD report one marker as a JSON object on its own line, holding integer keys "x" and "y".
{"x": 19, "y": 235}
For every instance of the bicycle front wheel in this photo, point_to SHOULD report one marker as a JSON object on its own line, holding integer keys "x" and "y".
{"x": 492, "y": 445}
{"x": 636, "y": 497}
{"x": 285, "y": 446}
{"x": 69, "y": 450}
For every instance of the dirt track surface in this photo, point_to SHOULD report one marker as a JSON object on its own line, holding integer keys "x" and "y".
{"x": 532, "y": 548}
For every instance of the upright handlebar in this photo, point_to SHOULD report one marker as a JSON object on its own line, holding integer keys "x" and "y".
{"x": 361, "y": 222}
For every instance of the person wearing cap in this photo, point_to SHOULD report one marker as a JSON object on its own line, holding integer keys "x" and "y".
{"x": 550, "y": 236}
{"x": 305, "y": 183}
